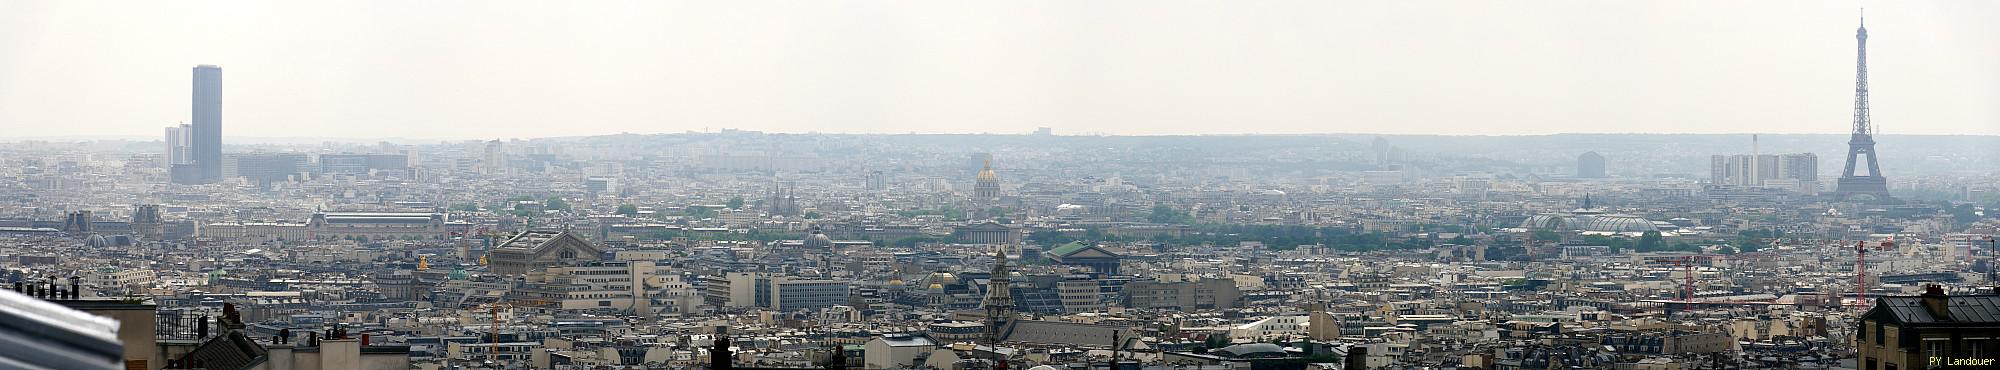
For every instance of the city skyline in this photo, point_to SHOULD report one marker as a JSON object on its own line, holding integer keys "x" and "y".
{"x": 1775, "y": 67}
{"x": 994, "y": 185}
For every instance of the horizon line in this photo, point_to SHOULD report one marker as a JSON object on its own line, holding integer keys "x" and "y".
{"x": 146, "y": 138}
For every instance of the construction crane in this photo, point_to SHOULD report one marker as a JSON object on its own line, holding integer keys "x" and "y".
{"x": 1687, "y": 284}
{"x": 493, "y": 330}
{"x": 1861, "y": 270}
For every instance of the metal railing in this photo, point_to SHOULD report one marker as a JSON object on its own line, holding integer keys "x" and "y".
{"x": 181, "y": 325}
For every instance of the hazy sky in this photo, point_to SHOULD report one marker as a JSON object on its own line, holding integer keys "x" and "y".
{"x": 482, "y": 69}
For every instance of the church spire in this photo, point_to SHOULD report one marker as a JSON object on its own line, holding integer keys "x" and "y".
{"x": 998, "y": 295}
{"x": 999, "y": 304}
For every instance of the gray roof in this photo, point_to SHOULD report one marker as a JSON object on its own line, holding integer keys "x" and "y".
{"x": 1057, "y": 332}
{"x": 39, "y": 334}
{"x": 908, "y": 341}
{"x": 1983, "y": 309}
{"x": 1253, "y": 349}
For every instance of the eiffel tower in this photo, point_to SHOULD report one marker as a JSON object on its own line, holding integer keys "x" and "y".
{"x": 1870, "y": 187}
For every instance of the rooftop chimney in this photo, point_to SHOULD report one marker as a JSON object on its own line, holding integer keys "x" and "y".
{"x": 1935, "y": 302}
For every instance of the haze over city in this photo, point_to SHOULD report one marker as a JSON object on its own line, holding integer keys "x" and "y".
{"x": 998, "y": 185}
{"x": 471, "y": 69}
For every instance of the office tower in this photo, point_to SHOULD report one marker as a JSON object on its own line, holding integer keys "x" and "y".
{"x": 178, "y": 149}
{"x": 1799, "y": 172}
{"x": 1802, "y": 166}
{"x": 265, "y": 168}
{"x": 877, "y": 180}
{"x": 493, "y": 162}
{"x": 363, "y": 164}
{"x": 1590, "y": 165}
{"x": 1381, "y": 149}
{"x": 205, "y": 134}
{"x": 1861, "y": 143}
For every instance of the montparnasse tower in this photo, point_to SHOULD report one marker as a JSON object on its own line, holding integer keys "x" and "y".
{"x": 987, "y": 186}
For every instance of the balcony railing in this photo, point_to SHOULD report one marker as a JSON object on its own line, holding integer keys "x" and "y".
{"x": 181, "y": 325}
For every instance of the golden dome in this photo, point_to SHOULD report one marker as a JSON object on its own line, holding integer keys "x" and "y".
{"x": 986, "y": 174}
{"x": 941, "y": 278}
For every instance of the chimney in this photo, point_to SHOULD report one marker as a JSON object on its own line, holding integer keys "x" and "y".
{"x": 1357, "y": 358}
{"x": 719, "y": 357}
{"x": 1935, "y": 302}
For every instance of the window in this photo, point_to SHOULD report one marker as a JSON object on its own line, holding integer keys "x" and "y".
{"x": 1974, "y": 348}
{"x": 1878, "y": 335}
{"x": 603, "y": 303}
{"x": 1934, "y": 348}
{"x": 1871, "y": 364}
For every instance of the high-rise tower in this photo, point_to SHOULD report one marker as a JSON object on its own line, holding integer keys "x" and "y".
{"x": 1871, "y": 186}
{"x": 1590, "y": 165}
{"x": 178, "y": 151}
{"x": 205, "y": 133}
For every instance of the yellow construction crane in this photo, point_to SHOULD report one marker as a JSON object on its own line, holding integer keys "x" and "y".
{"x": 493, "y": 330}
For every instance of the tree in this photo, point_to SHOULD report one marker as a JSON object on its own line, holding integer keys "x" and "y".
{"x": 628, "y": 210}
{"x": 1651, "y": 241}
{"x": 913, "y": 241}
{"x": 1547, "y": 236}
{"x": 812, "y": 215}
{"x": 698, "y": 212}
{"x": 557, "y": 204}
{"x": 736, "y": 202}
{"x": 1215, "y": 341}
{"x": 466, "y": 207}
{"x": 1049, "y": 237}
{"x": 1964, "y": 214}
{"x": 1162, "y": 214}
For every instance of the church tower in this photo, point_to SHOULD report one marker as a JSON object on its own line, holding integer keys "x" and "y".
{"x": 987, "y": 186}
{"x": 999, "y": 297}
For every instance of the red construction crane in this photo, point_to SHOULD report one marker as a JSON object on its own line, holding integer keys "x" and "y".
{"x": 1861, "y": 270}
{"x": 1687, "y": 284}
